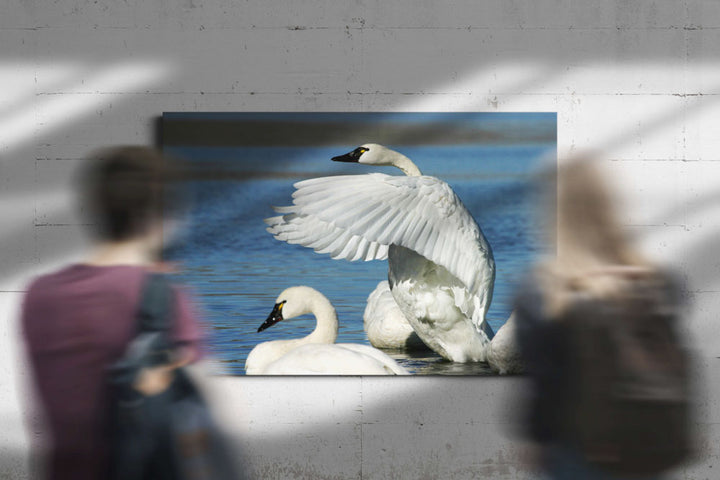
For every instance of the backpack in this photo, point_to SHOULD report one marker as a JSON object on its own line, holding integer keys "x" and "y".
{"x": 629, "y": 399}
{"x": 171, "y": 435}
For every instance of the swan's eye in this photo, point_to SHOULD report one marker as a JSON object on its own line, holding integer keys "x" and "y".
{"x": 359, "y": 151}
{"x": 280, "y": 305}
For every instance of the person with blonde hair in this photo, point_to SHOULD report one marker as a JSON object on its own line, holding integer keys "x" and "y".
{"x": 592, "y": 321}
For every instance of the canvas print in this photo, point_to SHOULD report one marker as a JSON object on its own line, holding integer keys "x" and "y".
{"x": 359, "y": 243}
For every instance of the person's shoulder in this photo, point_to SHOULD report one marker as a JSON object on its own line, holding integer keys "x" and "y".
{"x": 170, "y": 277}
{"x": 78, "y": 277}
{"x": 44, "y": 290}
{"x": 42, "y": 281}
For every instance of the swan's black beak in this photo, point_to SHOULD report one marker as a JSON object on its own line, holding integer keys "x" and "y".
{"x": 274, "y": 317}
{"x": 352, "y": 157}
{"x": 348, "y": 158}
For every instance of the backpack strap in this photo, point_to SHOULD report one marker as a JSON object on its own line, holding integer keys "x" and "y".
{"x": 156, "y": 301}
{"x": 151, "y": 345}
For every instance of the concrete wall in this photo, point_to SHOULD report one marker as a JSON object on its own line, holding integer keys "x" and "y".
{"x": 638, "y": 82}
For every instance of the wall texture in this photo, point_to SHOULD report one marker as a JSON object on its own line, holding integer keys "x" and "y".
{"x": 637, "y": 81}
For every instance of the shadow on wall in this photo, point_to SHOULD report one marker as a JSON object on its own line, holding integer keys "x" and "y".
{"x": 382, "y": 427}
{"x": 390, "y": 428}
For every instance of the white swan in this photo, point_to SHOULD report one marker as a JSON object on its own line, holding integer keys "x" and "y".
{"x": 503, "y": 353}
{"x": 315, "y": 354}
{"x": 441, "y": 268}
{"x": 385, "y": 324}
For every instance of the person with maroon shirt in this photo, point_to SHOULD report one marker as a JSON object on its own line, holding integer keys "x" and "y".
{"x": 79, "y": 320}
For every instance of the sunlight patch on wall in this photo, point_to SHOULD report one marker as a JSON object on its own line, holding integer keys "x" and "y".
{"x": 54, "y": 107}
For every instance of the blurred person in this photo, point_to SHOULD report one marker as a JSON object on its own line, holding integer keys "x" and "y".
{"x": 79, "y": 320}
{"x": 608, "y": 393}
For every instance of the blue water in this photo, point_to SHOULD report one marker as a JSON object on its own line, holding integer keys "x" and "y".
{"x": 237, "y": 269}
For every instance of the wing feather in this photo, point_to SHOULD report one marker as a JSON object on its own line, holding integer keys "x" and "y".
{"x": 373, "y": 225}
{"x": 361, "y": 249}
{"x": 438, "y": 249}
{"x": 336, "y": 244}
{"x": 347, "y": 250}
{"x": 371, "y": 251}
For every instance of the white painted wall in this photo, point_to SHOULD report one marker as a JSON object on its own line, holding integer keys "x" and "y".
{"x": 638, "y": 82}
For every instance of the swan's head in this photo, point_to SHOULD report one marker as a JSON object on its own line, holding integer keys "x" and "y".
{"x": 368, "y": 154}
{"x": 374, "y": 154}
{"x": 291, "y": 303}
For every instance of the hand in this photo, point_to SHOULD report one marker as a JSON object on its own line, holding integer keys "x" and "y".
{"x": 154, "y": 380}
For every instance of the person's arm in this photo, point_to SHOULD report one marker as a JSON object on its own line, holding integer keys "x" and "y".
{"x": 187, "y": 336}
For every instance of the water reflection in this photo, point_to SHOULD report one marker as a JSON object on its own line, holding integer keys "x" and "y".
{"x": 430, "y": 363}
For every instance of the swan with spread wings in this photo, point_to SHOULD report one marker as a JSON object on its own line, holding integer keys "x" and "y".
{"x": 441, "y": 270}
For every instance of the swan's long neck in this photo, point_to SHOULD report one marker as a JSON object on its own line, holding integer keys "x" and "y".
{"x": 405, "y": 164}
{"x": 327, "y": 324}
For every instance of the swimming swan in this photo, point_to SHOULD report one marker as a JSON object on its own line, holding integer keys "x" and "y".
{"x": 441, "y": 269}
{"x": 315, "y": 354}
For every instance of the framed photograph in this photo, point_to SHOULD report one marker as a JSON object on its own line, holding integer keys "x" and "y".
{"x": 448, "y": 197}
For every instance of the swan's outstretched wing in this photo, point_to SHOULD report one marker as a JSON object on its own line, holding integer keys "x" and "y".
{"x": 359, "y": 216}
